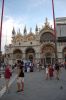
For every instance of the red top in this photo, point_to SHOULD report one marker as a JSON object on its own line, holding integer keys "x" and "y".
{"x": 7, "y": 73}
{"x": 51, "y": 72}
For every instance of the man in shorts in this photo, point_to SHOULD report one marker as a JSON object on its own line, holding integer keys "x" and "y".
{"x": 20, "y": 76}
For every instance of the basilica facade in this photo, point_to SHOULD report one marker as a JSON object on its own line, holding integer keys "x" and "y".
{"x": 38, "y": 46}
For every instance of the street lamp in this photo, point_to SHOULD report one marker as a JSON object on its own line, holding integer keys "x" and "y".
{"x": 56, "y": 57}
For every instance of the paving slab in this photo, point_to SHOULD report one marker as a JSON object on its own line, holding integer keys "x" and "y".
{"x": 37, "y": 88}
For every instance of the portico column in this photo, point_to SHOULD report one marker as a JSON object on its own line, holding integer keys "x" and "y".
{"x": 24, "y": 56}
{"x": 37, "y": 56}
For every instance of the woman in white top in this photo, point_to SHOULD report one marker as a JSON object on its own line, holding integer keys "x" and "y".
{"x": 46, "y": 72}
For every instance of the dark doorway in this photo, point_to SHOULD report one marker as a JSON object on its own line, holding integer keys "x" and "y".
{"x": 30, "y": 57}
{"x": 48, "y": 60}
{"x": 30, "y": 54}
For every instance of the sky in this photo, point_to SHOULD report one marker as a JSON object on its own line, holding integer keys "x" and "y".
{"x": 18, "y": 13}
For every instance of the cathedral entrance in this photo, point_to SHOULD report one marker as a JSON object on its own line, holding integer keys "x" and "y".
{"x": 17, "y": 54}
{"x": 48, "y": 54}
{"x": 30, "y": 57}
{"x": 48, "y": 60}
{"x": 30, "y": 54}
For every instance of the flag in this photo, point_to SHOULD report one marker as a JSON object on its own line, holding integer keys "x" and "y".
{"x": 54, "y": 16}
{"x": 56, "y": 56}
{"x": 1, "y": 22}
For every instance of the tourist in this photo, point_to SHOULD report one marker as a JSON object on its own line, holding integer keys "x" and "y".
{"x": 47, "y": 72}
{"x": 50, "y": 71}
{"x": 57, "y": 68}
{"x": 31, "y": 66}
{"x": 20, "y": 76}
{"x": 7, "y": 76}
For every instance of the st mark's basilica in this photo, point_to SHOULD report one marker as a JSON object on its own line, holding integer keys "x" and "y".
{"x": 38, "y": 46}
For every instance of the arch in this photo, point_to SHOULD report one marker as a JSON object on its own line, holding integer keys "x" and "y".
{"x": 30, "y": 54}
{"x": 17, "y": 50}
{"x": 30, "y": 49}
{"x": 17, "y": 54}
{"x": 46, "y": 37}
{"x": 48, "y": 54}
{"x": 47, "y": 48}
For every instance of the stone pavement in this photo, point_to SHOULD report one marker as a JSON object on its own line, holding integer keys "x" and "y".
{"x": 37, "y": 88}
{"x": 2, "y": 82}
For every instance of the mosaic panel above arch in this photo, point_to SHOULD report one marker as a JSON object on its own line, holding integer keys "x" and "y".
{"x": 48, "y": 48}
{"x": 47, "y": 36}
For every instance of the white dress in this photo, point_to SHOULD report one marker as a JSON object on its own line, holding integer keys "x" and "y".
{"x": 46, "y": 70}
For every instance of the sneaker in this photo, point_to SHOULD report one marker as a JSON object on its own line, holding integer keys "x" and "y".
{"x": 18, "y": 91}
{"x": 21, "y": 90}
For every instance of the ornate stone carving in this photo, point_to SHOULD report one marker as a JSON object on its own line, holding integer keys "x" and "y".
{"x": 30, "y": 37}
{"x": 47, "y": 48}
{"x": 45, "y": 37}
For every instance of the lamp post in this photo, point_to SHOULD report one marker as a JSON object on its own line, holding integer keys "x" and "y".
{"x": 1, "y": 29}
{"x": 56, "y": 57}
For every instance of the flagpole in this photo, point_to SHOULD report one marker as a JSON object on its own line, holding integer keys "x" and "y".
{"x": 1, "y": 27}
{"x": 56, "y": 57}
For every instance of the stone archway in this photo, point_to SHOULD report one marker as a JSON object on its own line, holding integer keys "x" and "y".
{"x": 17, "y": 54}
{"x": 30, "y": 54}
{"x": 48, "y": 54}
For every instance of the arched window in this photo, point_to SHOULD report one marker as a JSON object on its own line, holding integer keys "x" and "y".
{"x": 46, "y": 37}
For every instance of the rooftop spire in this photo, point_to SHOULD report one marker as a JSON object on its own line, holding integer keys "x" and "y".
{"x": 30, "y": 30}
{"x": 19, "y": 31}
{"x": 25, "y": 30}
{"x": 13, "y": 32}
{"x": 46, "y": 22}
{"x": 36, "y": 29}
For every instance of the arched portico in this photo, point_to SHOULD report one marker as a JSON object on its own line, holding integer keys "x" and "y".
{"x": 30, "y": 54}
{"x": 17, "y": 54}
{"x": 47, "y": 54}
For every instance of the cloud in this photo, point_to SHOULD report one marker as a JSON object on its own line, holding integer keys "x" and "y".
{"x": 43, "y": 24}
{"x": 36, "y": 3}
{"x": 33, "y": 4}
{"x": 51, "y": 23}
{"x": 8, "y": 25}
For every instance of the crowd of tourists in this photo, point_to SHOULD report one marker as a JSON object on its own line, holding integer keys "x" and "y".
{"x": 50, "y": 69}
{"x": 20, "y": 67}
